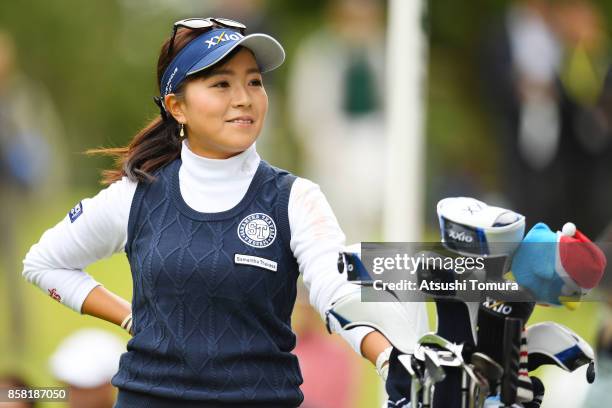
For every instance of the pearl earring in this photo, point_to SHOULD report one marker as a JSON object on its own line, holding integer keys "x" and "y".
{"x": 182, "y": 130}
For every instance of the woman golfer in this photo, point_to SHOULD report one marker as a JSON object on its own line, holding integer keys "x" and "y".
{"x": 215, "y": 238}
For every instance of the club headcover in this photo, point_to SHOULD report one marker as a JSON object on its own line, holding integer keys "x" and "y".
{"x": 471, "y": 227}
{"x": 551, "y": 343}
{"x": 557, "y": 266}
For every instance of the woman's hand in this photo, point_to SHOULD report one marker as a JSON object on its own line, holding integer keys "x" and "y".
{"x": 376, "y": 348}
{"x": 398, "y": 381}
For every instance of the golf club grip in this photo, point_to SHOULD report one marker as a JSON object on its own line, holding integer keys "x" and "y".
{"x": 511, "y": 346}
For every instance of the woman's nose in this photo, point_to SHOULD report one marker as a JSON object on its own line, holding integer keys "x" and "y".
{"x": 241, "y": 97}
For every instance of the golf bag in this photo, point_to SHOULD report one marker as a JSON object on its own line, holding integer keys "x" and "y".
{"x": 479, "y": 348}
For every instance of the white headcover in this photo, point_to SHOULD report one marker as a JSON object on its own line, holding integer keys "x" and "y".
{"x": 559, "y": 343}
{"x": 471, "y": 227}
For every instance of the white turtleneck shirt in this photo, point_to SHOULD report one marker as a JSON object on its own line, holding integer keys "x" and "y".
{"x": 97, "y": 228}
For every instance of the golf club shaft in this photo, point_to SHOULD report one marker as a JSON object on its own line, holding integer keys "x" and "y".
{"x": 465, "y": 389}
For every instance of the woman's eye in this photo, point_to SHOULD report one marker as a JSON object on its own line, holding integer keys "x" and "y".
{"x": 256, "y": 82}
{"x": 222, "y": 84}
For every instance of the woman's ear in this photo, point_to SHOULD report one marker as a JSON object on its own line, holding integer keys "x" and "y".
{"x": 174, "y": 106}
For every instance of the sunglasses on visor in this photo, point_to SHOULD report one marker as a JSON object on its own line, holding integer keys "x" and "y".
{"x": 210, "y": 22}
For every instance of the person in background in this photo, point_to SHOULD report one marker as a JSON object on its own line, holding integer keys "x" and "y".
{"x": 15, "y": 382}
{"x": 30, "y": 165}
{"x": 522, "y": 57}
{"x": 341, "y": 130}
{"x": 546, "y": 79}
{"x": 586, "y": 80}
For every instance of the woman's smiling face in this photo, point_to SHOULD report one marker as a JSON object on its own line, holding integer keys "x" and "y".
{"x": 224, "y": 110}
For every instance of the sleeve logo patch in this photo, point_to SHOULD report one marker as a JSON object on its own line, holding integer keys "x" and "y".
{"x": 53, "y": 293}
{"x": 76, "y": 212}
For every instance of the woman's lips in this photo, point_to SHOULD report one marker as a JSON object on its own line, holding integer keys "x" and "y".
{"x": 242, "y": 121}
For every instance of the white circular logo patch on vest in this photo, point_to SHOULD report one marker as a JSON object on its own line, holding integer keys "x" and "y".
{"x": 257, "y": 230}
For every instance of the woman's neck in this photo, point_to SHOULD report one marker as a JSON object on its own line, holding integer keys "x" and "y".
{"x": 206, "y": 152}
{"x": 204, "y": 169}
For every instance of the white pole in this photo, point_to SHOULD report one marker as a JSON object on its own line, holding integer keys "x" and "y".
{"x": 406, "y": 63}
{"x": 406, "y": 74}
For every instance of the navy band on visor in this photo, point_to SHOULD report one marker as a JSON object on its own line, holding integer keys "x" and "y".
{"x": 207, "y": 47}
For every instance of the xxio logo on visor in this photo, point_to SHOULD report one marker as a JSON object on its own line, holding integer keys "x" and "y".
{"x": 218, "y": 39}
{"x": 257, "y": 230}
{"x": 200, "y": 53}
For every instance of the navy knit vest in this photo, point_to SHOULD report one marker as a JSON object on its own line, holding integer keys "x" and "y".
{"x": 213, "y": 296}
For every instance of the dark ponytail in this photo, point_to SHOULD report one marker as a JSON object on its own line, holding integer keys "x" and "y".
{"x": 153, "y": 146}
{"x": 158, "y": 143}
